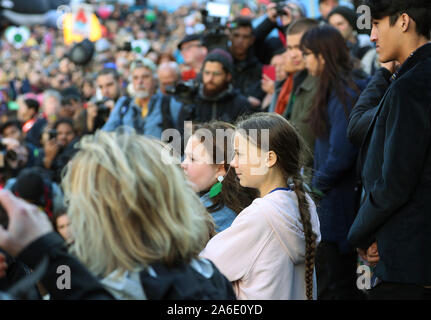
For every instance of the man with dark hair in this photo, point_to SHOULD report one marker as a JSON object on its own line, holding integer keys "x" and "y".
{"x": 71, "y": 103}
{"x": 393, "y": 222}
{"x": 247, "y": 68}
{"x": 97, "y": 111}
{"x": 217, "y": 99}
{"x": 58, "y": 149}
{"x": 108, "y": 82}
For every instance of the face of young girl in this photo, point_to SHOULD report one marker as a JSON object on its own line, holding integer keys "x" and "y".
{"x": 198, "y": 166}
{"x": 249, "y": 163}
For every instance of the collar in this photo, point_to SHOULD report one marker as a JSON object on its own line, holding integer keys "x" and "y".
{"x": 309, "y": 83}
{"x": 414, "y": 58}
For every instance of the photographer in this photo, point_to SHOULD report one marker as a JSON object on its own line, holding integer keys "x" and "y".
{"x": 247, "y": 68}
{"x": 216, "y": 98}
{"x": 98, "y": 110}
{"x": 15, "y": 153}
{"x": 278, "y": 16}
{"x": 58, "y": 148}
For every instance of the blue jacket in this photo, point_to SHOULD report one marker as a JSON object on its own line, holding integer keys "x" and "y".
{"x": 223, "y": 217}
{"x": 335, "y": 175}
{"x": 153, "y": 121}
{"x": 126, "y": 113}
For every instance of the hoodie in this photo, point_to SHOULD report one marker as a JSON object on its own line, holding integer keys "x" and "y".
{"x": 263, "y": 252}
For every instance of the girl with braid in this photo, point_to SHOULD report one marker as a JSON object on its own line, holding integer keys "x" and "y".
{"x": 268, "y": 251}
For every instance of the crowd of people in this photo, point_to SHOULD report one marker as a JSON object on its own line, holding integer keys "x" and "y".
{"x": 323, "y": 165}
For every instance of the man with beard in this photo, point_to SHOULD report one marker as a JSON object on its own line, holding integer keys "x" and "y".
{"x": 216, "y": 98}
{"x": 132, "y": 109}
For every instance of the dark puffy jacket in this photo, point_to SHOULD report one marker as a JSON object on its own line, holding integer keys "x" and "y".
{"x": 247, "y": 76}
{"x": 226, "y": 106}
{"x": 181, "y": 282}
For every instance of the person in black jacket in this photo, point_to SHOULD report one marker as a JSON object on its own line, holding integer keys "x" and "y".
{"x": 264, "y": 46}
{"x": 247, "y": 71}
{"x": 395, "y": 156}
{"x": 216, "y": 99}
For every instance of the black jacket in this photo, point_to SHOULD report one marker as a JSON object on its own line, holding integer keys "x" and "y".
{"x": 264, "y": 47}
{"x": 247, "y": 76}
{"x": 366, "y": 106}
{"x": 396, "y": 173}
{"x": 175, "y": 283}
{"x": 226, "y": 106}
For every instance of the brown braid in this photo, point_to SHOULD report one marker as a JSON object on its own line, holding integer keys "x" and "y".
{"x": 310, "y": 236}
{"x": 291, "y": 153}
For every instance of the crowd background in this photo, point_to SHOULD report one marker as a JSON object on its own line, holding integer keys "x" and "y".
{"x": 48, "y": 102}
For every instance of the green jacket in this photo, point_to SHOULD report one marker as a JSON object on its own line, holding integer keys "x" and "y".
{"x": 298, "y": 111}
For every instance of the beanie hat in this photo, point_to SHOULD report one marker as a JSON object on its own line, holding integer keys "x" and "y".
{"x": 223, "y": 57}
{"x": 347, "y": 13}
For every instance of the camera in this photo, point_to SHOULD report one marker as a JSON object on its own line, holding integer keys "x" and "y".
{"x": 280, "y": 9}
{"x": 102, "y": 110}
{"x": 103, "y": 113}
{"x": 214, "y": 17}
{"x": 7, "y": 155}
{"x": 184, "y": 91}
{"x": 52, "y": 134}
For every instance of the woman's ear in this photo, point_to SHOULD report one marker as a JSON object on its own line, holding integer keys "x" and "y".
{"x": 220, "y": 171}
{"x": 271, "y": 159}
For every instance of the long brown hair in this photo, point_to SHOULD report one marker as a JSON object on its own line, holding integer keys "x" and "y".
{"x": 233, "y": 195}
{"x": 290, "y": 150}
{"x": 336, "y": 76}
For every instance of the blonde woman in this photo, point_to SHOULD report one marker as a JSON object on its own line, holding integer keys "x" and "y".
{"x": 137, "y": 225}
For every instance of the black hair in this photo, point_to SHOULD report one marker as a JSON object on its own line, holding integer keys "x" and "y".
{"x": 106, "y": 71}
{"x": 418, "y": 10}
{"x": 241, "y": 22}
{"x": 32, "y": 104}
{"x": 337, "y": 74}
{"x": 11, "y": 123}
{"x": 64, "y": 121}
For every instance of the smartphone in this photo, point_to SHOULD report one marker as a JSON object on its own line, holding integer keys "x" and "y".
{"x": 52, "y": 134}
{"x": 269, "y": 71}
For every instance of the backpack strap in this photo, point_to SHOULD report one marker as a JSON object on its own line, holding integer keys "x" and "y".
{"x": 125, "y": 106}
{"x": 167, "y": 121}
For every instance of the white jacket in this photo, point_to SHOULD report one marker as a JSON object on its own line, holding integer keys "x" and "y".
{"x": 262, "y": 252}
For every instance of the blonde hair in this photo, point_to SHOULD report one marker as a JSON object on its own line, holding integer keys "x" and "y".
{"x": 128, "y": 208}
